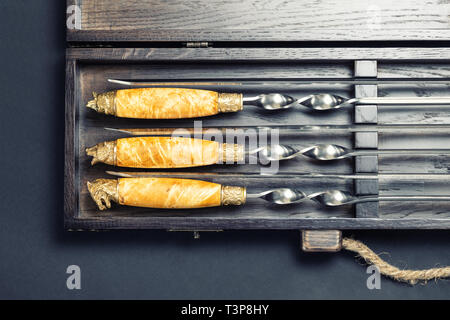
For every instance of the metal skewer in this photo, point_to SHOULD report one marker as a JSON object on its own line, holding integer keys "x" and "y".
{"x": 320, "y": 102}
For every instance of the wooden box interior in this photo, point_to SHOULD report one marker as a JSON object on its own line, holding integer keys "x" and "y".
{"x": 89, "y": 69}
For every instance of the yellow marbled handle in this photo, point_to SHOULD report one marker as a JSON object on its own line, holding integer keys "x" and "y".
{"x": 164, "y": 152}
{"x": 165, "y": 103}
{"x": 164, "y": 193}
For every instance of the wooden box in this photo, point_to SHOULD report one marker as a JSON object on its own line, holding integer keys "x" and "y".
{"x": 298, "y": 48}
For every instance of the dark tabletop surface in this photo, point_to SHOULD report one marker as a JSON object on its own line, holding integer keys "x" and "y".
{"x": 35, "y": 250}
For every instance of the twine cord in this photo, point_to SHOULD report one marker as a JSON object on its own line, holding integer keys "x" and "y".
{"x": 411, "y": 276}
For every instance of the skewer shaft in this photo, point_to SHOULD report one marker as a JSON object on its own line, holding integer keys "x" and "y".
{"x": 403, "y": 100}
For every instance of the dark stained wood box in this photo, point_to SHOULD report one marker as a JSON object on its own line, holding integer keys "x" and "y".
{"x": 262, "y": 47}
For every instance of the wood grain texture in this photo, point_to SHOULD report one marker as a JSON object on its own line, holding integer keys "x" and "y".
{"x": 260, "y": 20}
{"x": 321, "y": 240}
{"x": 319, "y": 53}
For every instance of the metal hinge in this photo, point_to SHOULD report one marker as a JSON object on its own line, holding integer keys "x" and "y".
{"x": 203, "y": 44}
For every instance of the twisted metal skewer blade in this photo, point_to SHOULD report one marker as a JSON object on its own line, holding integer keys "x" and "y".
{"x": 322, "y": 102}
{"x": 397, "y": 176}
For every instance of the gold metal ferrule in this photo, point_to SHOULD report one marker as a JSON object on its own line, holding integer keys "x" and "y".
{"x": 230, "y": 102}
{"x": 233, "y": 196}
{"x": 103, "y": 191}
{"x": 231, "y": 153}
{"x": 103, "y": 102}
{"x": 103, "y": 152}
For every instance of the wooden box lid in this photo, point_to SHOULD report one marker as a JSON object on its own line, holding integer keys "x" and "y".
{"x": 259, "y": 20}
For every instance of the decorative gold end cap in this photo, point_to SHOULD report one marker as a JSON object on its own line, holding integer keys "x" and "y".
{"x": 103, "y": 191}
{"x": 233, "y": 196}
{"x": 230, "y": 102}
{"x": 103, "y": 102}
{"x": 103, "y": 152}
{"x": 232, "y": 153}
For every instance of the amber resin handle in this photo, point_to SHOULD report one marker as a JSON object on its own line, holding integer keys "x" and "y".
{"x": 164, "y": 193}
{"x": 165, "y": 103}
{"x": 164, "y": 152}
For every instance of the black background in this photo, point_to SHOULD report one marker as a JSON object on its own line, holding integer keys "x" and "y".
{"x": 35, "y": 250}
